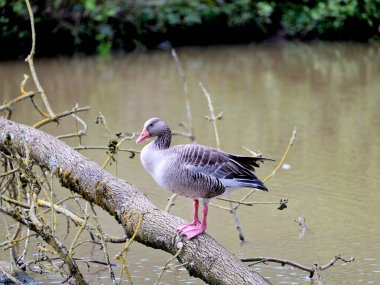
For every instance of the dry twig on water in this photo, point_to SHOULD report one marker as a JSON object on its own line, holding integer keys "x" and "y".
{"x": 316, "y": 268}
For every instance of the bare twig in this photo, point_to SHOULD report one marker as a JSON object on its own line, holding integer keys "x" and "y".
{"x": 104, "y": 246}
{"x": 79, "y": 232}
{"x": 29, "y": 59}
{"x": 7, "y": 244}
{"x": 93, "y": 147}
{"x": 166, "y": 265}
{"x": 181, "y": 72}
{"x": 9, "y": 105}
{"x": 221, "y": 207}
{"x": 170, "y": 202}
{"x": 237, "y": 222}
{"x": 113, "y": 149}
{"x": 246, "y": 203}
{"x": 21, "y": 259}
{"x": 58, "y": 116}
{"x": 60, "y": 210}
{"x": 212, "y": 118}
{"x": 312, "y": 269}
{"x": 8, "y": 238}
{"x": 284, "y": 156}
{"x": 121, "y": 255}
{"x": 78, "y": 133}
{"x": 100, "y": 119}
{"x": 9, "y": 172}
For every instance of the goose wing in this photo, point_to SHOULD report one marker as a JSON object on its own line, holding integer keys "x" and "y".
{"x": 230, "y": 170}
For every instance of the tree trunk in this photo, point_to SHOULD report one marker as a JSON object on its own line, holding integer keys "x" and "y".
{"x": 203, "y": 256}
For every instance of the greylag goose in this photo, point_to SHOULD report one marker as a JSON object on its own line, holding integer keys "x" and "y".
{"x": 195, "y": 171}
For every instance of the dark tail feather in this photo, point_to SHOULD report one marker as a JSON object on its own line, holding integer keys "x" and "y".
{"x": 256, "y": 183}
{"x": 247, "y": 160}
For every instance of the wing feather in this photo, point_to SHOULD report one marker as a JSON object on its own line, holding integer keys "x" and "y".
{"x": 231, "y": 170}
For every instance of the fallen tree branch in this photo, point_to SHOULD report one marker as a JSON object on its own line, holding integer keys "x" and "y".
{"x": 203, "y": 257}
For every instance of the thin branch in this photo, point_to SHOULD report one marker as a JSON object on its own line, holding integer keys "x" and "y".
{"x": 79, "y": 232}
{"x": 39, "y": 110}
{"x": 166, "y": 265}
{"x": 121, "y": 255}
{"x": 213, "y": 118}
{"x": 237, "y": 222}
{"x": 78, "y": 133}
{"x": 115, "y": 149}
{"x": 9, "y": 105}
{"x": 58, "y": 116}
{"x": 311, "y": 269}
{"x": 101, "y": 119}
{"x": 29, "y": 59}
{"x": 61, "y": 210}
{"x": 7, "y": 244}
{"x": 181, "y": 72}
{"x": 220, "y": 207}
{"x": 9, "y": 173}
{"x": 246, "y": 203}
{"x": 170, "y": 202}
{"x": 15, "y": 202}
{"x": 334, "y": 260}
{"x": 8, "y": 237}
{"x": 26, "y": 246}
{"x": 104, "y": 245}
{"x": 133, "y": 152}
{"x": 284, "y": 156}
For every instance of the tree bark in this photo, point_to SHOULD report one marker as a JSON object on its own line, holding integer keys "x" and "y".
{"x": 203, "y": 256}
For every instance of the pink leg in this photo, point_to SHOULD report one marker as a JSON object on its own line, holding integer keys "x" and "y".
{"x": 193, "y": 231}
{"x": 196, "y": 220}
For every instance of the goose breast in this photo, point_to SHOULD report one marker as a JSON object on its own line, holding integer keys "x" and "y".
{"x": 175, "y": 169}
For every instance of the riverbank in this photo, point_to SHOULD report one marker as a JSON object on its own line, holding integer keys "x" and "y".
{"x": 66, "y": 27}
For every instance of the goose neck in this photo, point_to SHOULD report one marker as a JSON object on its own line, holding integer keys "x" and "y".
{"x": 164, "y": 139}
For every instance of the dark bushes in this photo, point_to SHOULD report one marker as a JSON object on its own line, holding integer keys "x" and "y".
{"x": 90, "y": 26}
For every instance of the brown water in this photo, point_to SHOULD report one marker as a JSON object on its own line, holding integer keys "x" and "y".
{"x": 330, "y": 92}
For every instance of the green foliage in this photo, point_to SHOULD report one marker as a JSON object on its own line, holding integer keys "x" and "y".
{"x": 166, "y": 13}
{"x": 102, "y": 26}
{"x": 328, "y": 16}
{"x": 8, "y": 14}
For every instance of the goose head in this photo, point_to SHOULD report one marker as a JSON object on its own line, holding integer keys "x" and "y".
{"x": 154, "y": 127}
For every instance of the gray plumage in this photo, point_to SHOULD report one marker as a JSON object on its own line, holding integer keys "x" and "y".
{"x": 194, "y": 170}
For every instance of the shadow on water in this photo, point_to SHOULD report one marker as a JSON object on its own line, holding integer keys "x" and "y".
{"x": 330, "y": 92}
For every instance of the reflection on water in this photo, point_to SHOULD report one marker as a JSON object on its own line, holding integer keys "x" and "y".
{"x": 330, "y": 92}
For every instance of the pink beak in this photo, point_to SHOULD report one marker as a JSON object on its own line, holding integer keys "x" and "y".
{"x": 143, "y": 136}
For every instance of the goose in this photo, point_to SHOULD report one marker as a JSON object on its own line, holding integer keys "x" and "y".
{"x": 195, "y": 171}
